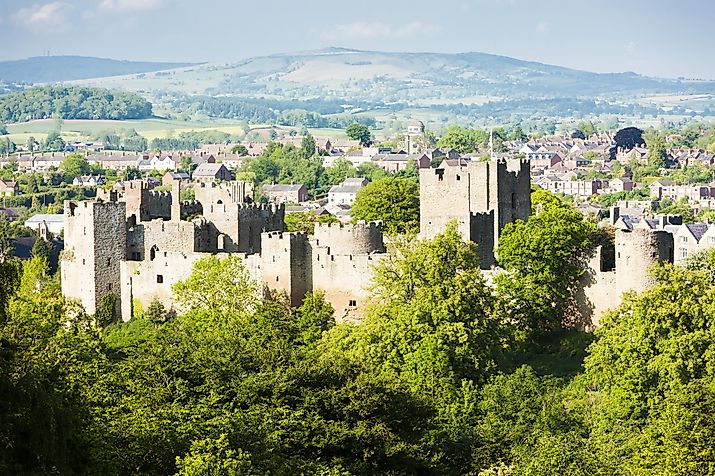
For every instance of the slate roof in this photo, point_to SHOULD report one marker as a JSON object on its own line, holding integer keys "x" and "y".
{"x": 282, "y": 187}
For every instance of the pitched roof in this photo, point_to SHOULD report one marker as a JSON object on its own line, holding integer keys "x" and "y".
{"x": 208, "y": 169}
{"x": 697, "y": 229}
{"x": 282, "y": 187}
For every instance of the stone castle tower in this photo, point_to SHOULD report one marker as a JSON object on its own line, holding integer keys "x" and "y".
{"x": 481, "y": 196}
{"x": 95, "y": 244}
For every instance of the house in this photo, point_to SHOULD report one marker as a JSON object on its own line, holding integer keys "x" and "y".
{"x": 171, "y": 177}
{"x": 10, "y": 214}
{"x": 283, "y": 193}
{"x": 208, "y": 172}
{"x": 55, "y": 222}
{"x": 8, "y": 188}
{"x": 88, "y": 181}
{"x": 687, "y": 240}
{"x": 345, "y": 193}
{"x": 396, "y": 162}
{"x": 622, "y": 184}
{"x": 661, "y": 189}
{"x": 544, "y": 160}
{"x": 157, "y": 163}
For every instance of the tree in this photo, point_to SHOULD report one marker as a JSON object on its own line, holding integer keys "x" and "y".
{"x": 74, "y": 165}
{"x": 657, "y": 152}
{"x": 41, "y": 249}
{"x": 628, "y": 138}
{"x": 31, "y": 144}
{"x": 307, "y": 146}
{"x": 233, "y": 290}
{"x": 544, "y": 258}
{"x": 587, "y": 128}
{"x": 463, "y": 139}
{"x": 186, "y": 164}
{"x": 54, "y": 141}
{"x": 357, "y": 131}
{"x": 3, "y": 129}
{"x": 339, "y": 171}
{"x": 395, "y": 201}
{"x": 305, "y": 221}
{"x": 370, "y": 171}
{"x": 239, "y": 149}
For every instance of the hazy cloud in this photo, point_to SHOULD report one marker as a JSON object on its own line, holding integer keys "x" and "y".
{"x": 48, "y": 16}
{"x": 377, "y": 29}
{"x": 131, "y": 5}
{"x": 542, "y": 28}
{"x": 631, "y": 47}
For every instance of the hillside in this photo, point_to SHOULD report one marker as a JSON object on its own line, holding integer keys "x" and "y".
{"x": 387, "y": 77}
{"x": 52, "y": 69}
{"x": 438, "y": 85}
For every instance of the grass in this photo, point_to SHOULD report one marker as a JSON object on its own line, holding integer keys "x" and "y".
{"x": 149, "y": 128}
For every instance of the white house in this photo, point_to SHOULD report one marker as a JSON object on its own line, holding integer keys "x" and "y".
{"x": 345, "y": 193}
{"x": 55, "y": 222}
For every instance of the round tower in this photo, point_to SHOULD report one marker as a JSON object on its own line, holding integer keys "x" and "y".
{"x": 360, "y": 238}
{"x": 636, "y": 251}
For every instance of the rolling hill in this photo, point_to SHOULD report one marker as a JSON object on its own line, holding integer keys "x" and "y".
{"x": 53, "y": 69}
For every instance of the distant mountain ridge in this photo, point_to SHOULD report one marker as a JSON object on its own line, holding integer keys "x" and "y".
{"x": 53, "y": 69}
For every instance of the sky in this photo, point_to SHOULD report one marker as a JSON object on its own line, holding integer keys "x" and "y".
{"x": 653, "y": 37}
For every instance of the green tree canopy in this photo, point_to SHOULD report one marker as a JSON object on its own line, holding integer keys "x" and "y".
{"x": 395, "y": 201}
{"x": 74, "y": 165}
{"x": 361, "y": 132}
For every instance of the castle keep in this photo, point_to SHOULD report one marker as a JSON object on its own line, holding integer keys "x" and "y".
{"x": 136, "y": 246}
{"x": 481, "y": 196}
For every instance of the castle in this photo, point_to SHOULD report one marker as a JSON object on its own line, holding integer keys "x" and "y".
{"x": 137, "y": 246}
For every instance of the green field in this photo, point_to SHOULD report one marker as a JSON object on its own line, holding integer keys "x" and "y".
{"x": 149, "y": 128}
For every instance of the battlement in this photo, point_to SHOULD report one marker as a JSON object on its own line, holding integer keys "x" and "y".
{"x": 88, "y": 207}
{"x": 209, "y": 193}
{"x": 350, "y": 239}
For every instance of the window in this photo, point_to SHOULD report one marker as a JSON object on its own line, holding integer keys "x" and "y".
{"x": 83, "y": 261}
{"x": 109, "y": 286}
{"x": 683, "y": 239}
{"x": 159, "y": 278}
{"x": 277, "y": 278}
{"x": 352, "y": 303}
{"x": 109, "y": 262}
{"x": 683, "y": 252}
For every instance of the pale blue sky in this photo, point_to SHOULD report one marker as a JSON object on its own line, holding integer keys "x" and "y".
{"x": 653, "y": 37}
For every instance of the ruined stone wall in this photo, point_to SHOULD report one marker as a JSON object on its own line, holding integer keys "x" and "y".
{"x": 286, "y": 264}
{"x": 349, "y": 239}
{"x": 146, "y": 240}
{"x": 95, "y": 244}
{"x": 242, "y": 224}
{"x": 598, "y": 292}
{"x": 480, "y": 232}
{"x": 144, "y": 281}
{"x": 144, "y": 203}
{"x": 208, "y": 193}
{"x": 345, "y": 280}
{"x": 444, "y": 196}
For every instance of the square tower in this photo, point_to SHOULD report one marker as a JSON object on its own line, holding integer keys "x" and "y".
{"x": 482, "y": 197}
{"x": 95, "y": 244}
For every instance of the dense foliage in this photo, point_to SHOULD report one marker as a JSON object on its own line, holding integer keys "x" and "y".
{"x": 432, "y": 382}
{"x": 72, "y": 102}
{"x": 393, "y": 200}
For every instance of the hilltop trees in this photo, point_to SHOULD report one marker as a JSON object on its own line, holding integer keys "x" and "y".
{"x": 72, "y": 102}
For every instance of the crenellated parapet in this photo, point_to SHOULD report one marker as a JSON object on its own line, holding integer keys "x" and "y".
{"x": 350, "y": 239}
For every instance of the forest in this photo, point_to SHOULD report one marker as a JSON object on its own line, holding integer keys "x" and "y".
{"x": 72, "y": 102}
{"x": 446, "y": 375}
